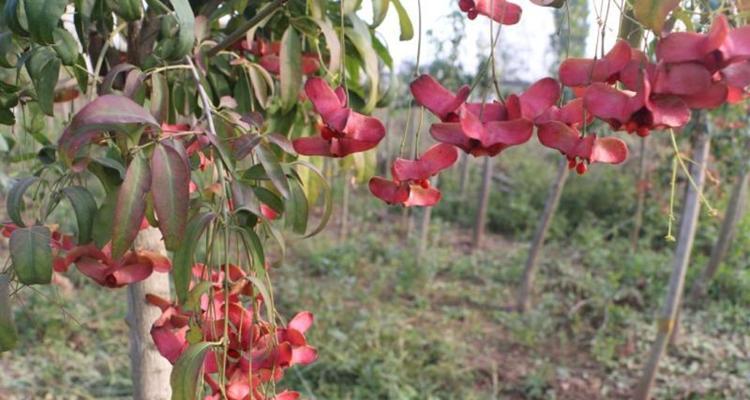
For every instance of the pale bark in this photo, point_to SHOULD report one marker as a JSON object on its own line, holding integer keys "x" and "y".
{"x": 484, "y": 199}
{"x": 150, "y": 371}
{"x": 688, "y": 224}
{"x": 641, "y": 199}
{"x": 734, "y": 213}
{"x": 550, "y": 207}
{"x": 464, "y": 178}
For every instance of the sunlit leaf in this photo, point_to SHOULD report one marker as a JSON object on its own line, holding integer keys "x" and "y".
{"x": 159, "y": 97}
{"x": 653, "y": 13}
{"x": 360, "y": 37}
{"x": 31, "y": 255}
{"x": 291, "y": 68}
{"x": 379, "y": 11}
{"x": 407, "y": 30}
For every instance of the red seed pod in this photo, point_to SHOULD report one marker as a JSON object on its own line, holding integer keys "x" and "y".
{"x": 472, "y": 14}
{"x": 581, "y": 168}
{"x": 571, "y": 163}
{"x": 465, "y": 5}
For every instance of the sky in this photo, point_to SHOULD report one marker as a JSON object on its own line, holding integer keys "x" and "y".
{"x": 529, "y": 39}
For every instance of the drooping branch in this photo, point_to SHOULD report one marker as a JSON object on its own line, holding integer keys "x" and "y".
{"x": 249, "y": 24}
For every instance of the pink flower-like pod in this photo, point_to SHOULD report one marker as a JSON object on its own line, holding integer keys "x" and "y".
{"x": 435, "y": 97}
{"x": 584, "y": 71}
{"x": 582, "y": 151}
{"x": 501, "y": 11}
{"x": 344, "y": 131}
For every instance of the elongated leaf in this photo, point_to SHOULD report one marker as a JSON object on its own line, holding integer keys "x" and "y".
{"x": 14, "y": 202}
{"x": 129, "y": 10}
{"x": 333, "y": 44}
{"x": 43, "y": 16}
{"x": 44, "y": 68}
{"x": 159, "y": 97}
{"x": 186, "y": 35}
{"x": 186, "y": 372}
{"x": 105, "y": 113}
{"x": 31, "y": 255}
{"x": 8, "y": 333}
{"x": 291, "y": 68}
{"x": 252, "y": 243}
{"x": 379, "y": 11}
{"x": 262, "y": 83}
{"x": 84, "y": 207}
{"x": 14, "y": 16}
{"x": 273, "y": 169}
{"x": 350, "y": 6}
{"x": 183, "y": 256}
{"x": 327, "y": 197}
{"x": 102, "y": 232}
{"x": 297, "y": 209}
{"x": 170, "y": 179}
{"x": 653, "y": 13}
{"x": 131, "y": 205}
{"x": 360, "y": 37}
{"x": 407, "y": 30}
{"x": 82, "y": 20}
{"x": 65, "y": 46}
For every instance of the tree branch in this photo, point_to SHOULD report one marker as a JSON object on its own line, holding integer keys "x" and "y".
{"x": 249, "y": 24}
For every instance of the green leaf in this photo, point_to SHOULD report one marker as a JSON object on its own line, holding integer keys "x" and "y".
{"x": 653, "y": 13}
{"x": 106, "y": 113}
{"x": 379, "y": 11}
{"x": 273, "y": 169}
{"x": 159, "y": 97}
{"x": 8, "y": 333}
{"x": 9, "y": 50}
{"x": 44, "y": 69}
{"x": 102, "y": 231}
{"x": 350, "y": 6}
{"x": 31, "y": 255}
{"x": 79, "y": 71}
{"x": 129, "y": 10}
{"x": 186, "y": 35}
{"x": 359, "y": 35}
{"x": 14, "y": 16}
{"x": 333, "y": 44}
{"x": 262, "y": 83}
{"x": 65, "y": 46}
{"x": 14, "y": 203}
{"x": 252, "y": 244}
{"x": 131, "y": 205}
{"x": 407, "y": 30}
{"x": 327, "y": 197}
{"x": 84, "y": 207}
{"x": 186, "y": 372}
{"x": 291, "y": 68}
{"x": 170, "y": 177}
{"x": 82, "y": 20}
{"x": 43, "y": 17}
{"x": 183, "y": 256}
{"x": 296, "y": 209}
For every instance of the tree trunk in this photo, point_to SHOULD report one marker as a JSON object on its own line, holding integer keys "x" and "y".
{"x": 484, "y": 199}
{"x": 733, "y": 215}
{"x": 642, "y": 186}
{"x": 344, "y": 227}
{"x": 464, "y": 178}
{"x": 688, "y": 225}
{"x": 550, "y": 207}
{"x": 150, "y": 371}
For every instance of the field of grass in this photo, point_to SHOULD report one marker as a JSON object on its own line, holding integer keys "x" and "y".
{"x": 391, "y": 326}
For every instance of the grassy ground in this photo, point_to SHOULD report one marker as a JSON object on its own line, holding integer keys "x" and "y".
{"x": 389, "y": 326}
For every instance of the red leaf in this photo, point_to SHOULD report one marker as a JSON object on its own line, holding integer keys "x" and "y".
{"x": 131, "y": 205}
{"x": 170, "y": 177}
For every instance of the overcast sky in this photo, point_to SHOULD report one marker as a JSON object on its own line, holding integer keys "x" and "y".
{"x": 529, "y": 38}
